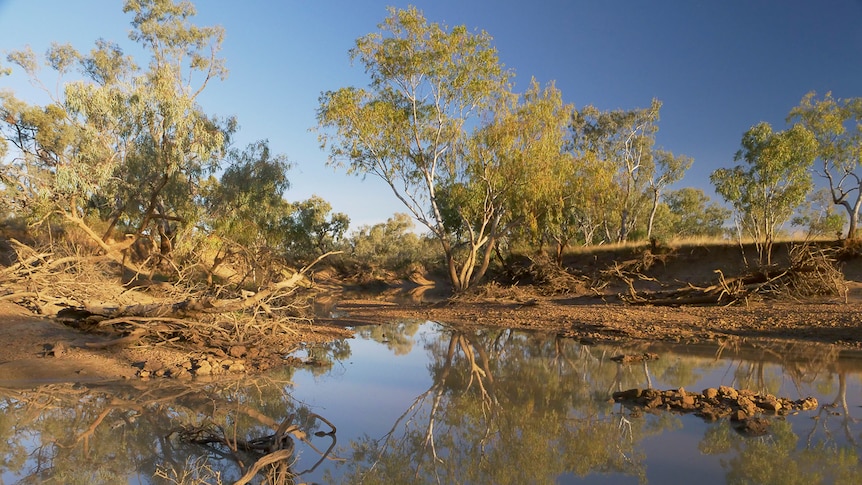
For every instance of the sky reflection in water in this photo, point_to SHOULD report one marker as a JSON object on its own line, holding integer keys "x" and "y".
{"x": 418, "y": 402}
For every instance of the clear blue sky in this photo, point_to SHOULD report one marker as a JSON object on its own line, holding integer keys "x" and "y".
{"x": 718, "y": 66}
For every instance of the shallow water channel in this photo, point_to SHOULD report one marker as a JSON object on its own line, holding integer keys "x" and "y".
{"x": 421, "y": 402}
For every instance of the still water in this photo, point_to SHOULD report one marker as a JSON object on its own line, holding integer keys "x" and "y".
{"x": 420, "y": 402}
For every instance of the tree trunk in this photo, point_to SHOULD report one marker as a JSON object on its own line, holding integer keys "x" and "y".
{"x": 854, "y": 217}
{"x": 652, "y": 214}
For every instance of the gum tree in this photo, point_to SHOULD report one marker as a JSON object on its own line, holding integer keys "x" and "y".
{"x": 624, "y": 141}
{"x": 770, "y": 183}
{"x": 837, "y": 127}
{"x": 124, "y": 144}
{"x": 422, "y": 126}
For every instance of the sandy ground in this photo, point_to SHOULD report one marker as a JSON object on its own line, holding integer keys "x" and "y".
{"x": 28, "y": 354}
{"x": 591, "y": 320}
{"x": 34, "y": 349}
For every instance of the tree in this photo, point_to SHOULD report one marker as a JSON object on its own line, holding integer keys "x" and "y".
{"x": 625, "y": 140}
{"x": 770, "y": 184}
{"x": 519, "y": 165}
{"x": 818, "y": 217}
{"x": 127, "y": 145}
{"x": 837, "y": 127}
{"x": 390, "y": 245}
{"x": 431, "y": 88}
{"x": 694, "y": 215}
{"x": 245, "y": 209}
{"x": 669, "y": 168}
{"x": 312, "y": 229}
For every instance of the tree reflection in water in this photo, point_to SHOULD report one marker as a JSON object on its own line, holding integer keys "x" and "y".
{"x": 165, "y": 431}
{"x": 501, "y": 406}
{"x": 509, "y": 407}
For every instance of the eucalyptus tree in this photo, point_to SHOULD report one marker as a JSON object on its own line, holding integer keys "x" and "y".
{"x": 818, "y": 216}
{"x": 517, "y": 178}
{"x": 428, "y": 125}
{"x": 669, "y": 168}
{"x": 130, "y": 144}
{"x": 772, "y": 181}
{"x": 693, "y": 214}
{"x": 245, "y": 208}
{"x": 837, "y": 127}
{"x": 312, "y": 229}
{"x": 624, "y": 139}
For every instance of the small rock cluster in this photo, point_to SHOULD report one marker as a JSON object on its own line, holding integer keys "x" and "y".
{"x": 198, "y": 367}
{"x": 205, "y": 365}
{"x": 744, "y": 407}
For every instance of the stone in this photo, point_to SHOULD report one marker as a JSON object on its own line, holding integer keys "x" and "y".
{"x": 204, "y": 368}
{"x": 59, "y": 349}
{"x": 710, "y": 393}
{"x": 747, "y": 405}
{"x": 738, "y": 415}
{"x": 687, "y": 402}
{"x": 728, "y": 392}
{"x": 769, "y": 404}
{"x": 237, "y": 351}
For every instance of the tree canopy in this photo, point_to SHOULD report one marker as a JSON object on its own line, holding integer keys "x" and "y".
{"x": 770, "y": 183}
{"x": 438, "y": 123}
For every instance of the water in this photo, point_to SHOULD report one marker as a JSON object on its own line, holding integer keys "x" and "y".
{"x": 419, "y": 402}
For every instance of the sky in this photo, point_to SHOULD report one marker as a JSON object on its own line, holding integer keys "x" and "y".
{"x": 718, "y": 67}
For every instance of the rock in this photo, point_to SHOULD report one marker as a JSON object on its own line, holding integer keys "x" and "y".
{"x": 204, "y": 368}
{"x": 153, "y": 365}
{"x": 747, "y": 405}
{"x": 687, "y": 402}
{"x": 738, "y": 415}
{"x": 237, "y": 351}
{"x": 710, "y": 393}
{"x": 807, "y": 404}
{"x": 59, "y": 349}
{"x": 728, "y": 392}
{"x": 181, "y": 373}
{"x": 769, "y": 404}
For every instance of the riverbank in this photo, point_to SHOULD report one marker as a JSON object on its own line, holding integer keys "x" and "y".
{"x": 46, "y": 350}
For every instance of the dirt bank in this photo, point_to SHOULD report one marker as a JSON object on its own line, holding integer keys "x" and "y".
{"x": 43, "y": 350}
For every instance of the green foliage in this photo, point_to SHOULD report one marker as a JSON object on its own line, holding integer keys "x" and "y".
{"x": 247, "y": 206}
{"x": 129, "y": 145}
{"x": 311, "y": 229}
{"x": 691, "y": 214}
{"x": 773, "y": 180}
{"x": 392, "y": 245}
{"x": 837, "y": 128}
{"x": 817, "y": 216}
{"x": 431, "y": 90}
{"x": 625, "y": 141}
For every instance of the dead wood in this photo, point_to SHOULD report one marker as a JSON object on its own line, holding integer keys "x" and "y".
{"x": 84, "y": 291}
{"x": 812, "y": 272}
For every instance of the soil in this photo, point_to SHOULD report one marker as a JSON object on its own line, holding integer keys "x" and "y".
{"x": 39, "y": 350}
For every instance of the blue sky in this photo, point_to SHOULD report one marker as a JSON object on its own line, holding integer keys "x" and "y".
{"x": 718, "y": 66}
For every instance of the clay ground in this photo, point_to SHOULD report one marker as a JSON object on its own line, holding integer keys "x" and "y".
{"x": 26, "y": 341}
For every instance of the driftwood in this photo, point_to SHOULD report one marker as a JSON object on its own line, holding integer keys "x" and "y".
{"x": 83, "y": 292}
{"x": 811, "y": 273}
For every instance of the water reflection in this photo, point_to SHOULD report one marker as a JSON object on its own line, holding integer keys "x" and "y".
{"x": 159, "y": 431}
{"x": 418, "y": 402}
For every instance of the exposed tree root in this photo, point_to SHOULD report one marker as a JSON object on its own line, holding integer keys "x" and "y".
{"x": 811, "y": 273}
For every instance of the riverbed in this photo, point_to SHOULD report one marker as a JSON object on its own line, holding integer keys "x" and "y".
{"x": 424, "y": 402}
